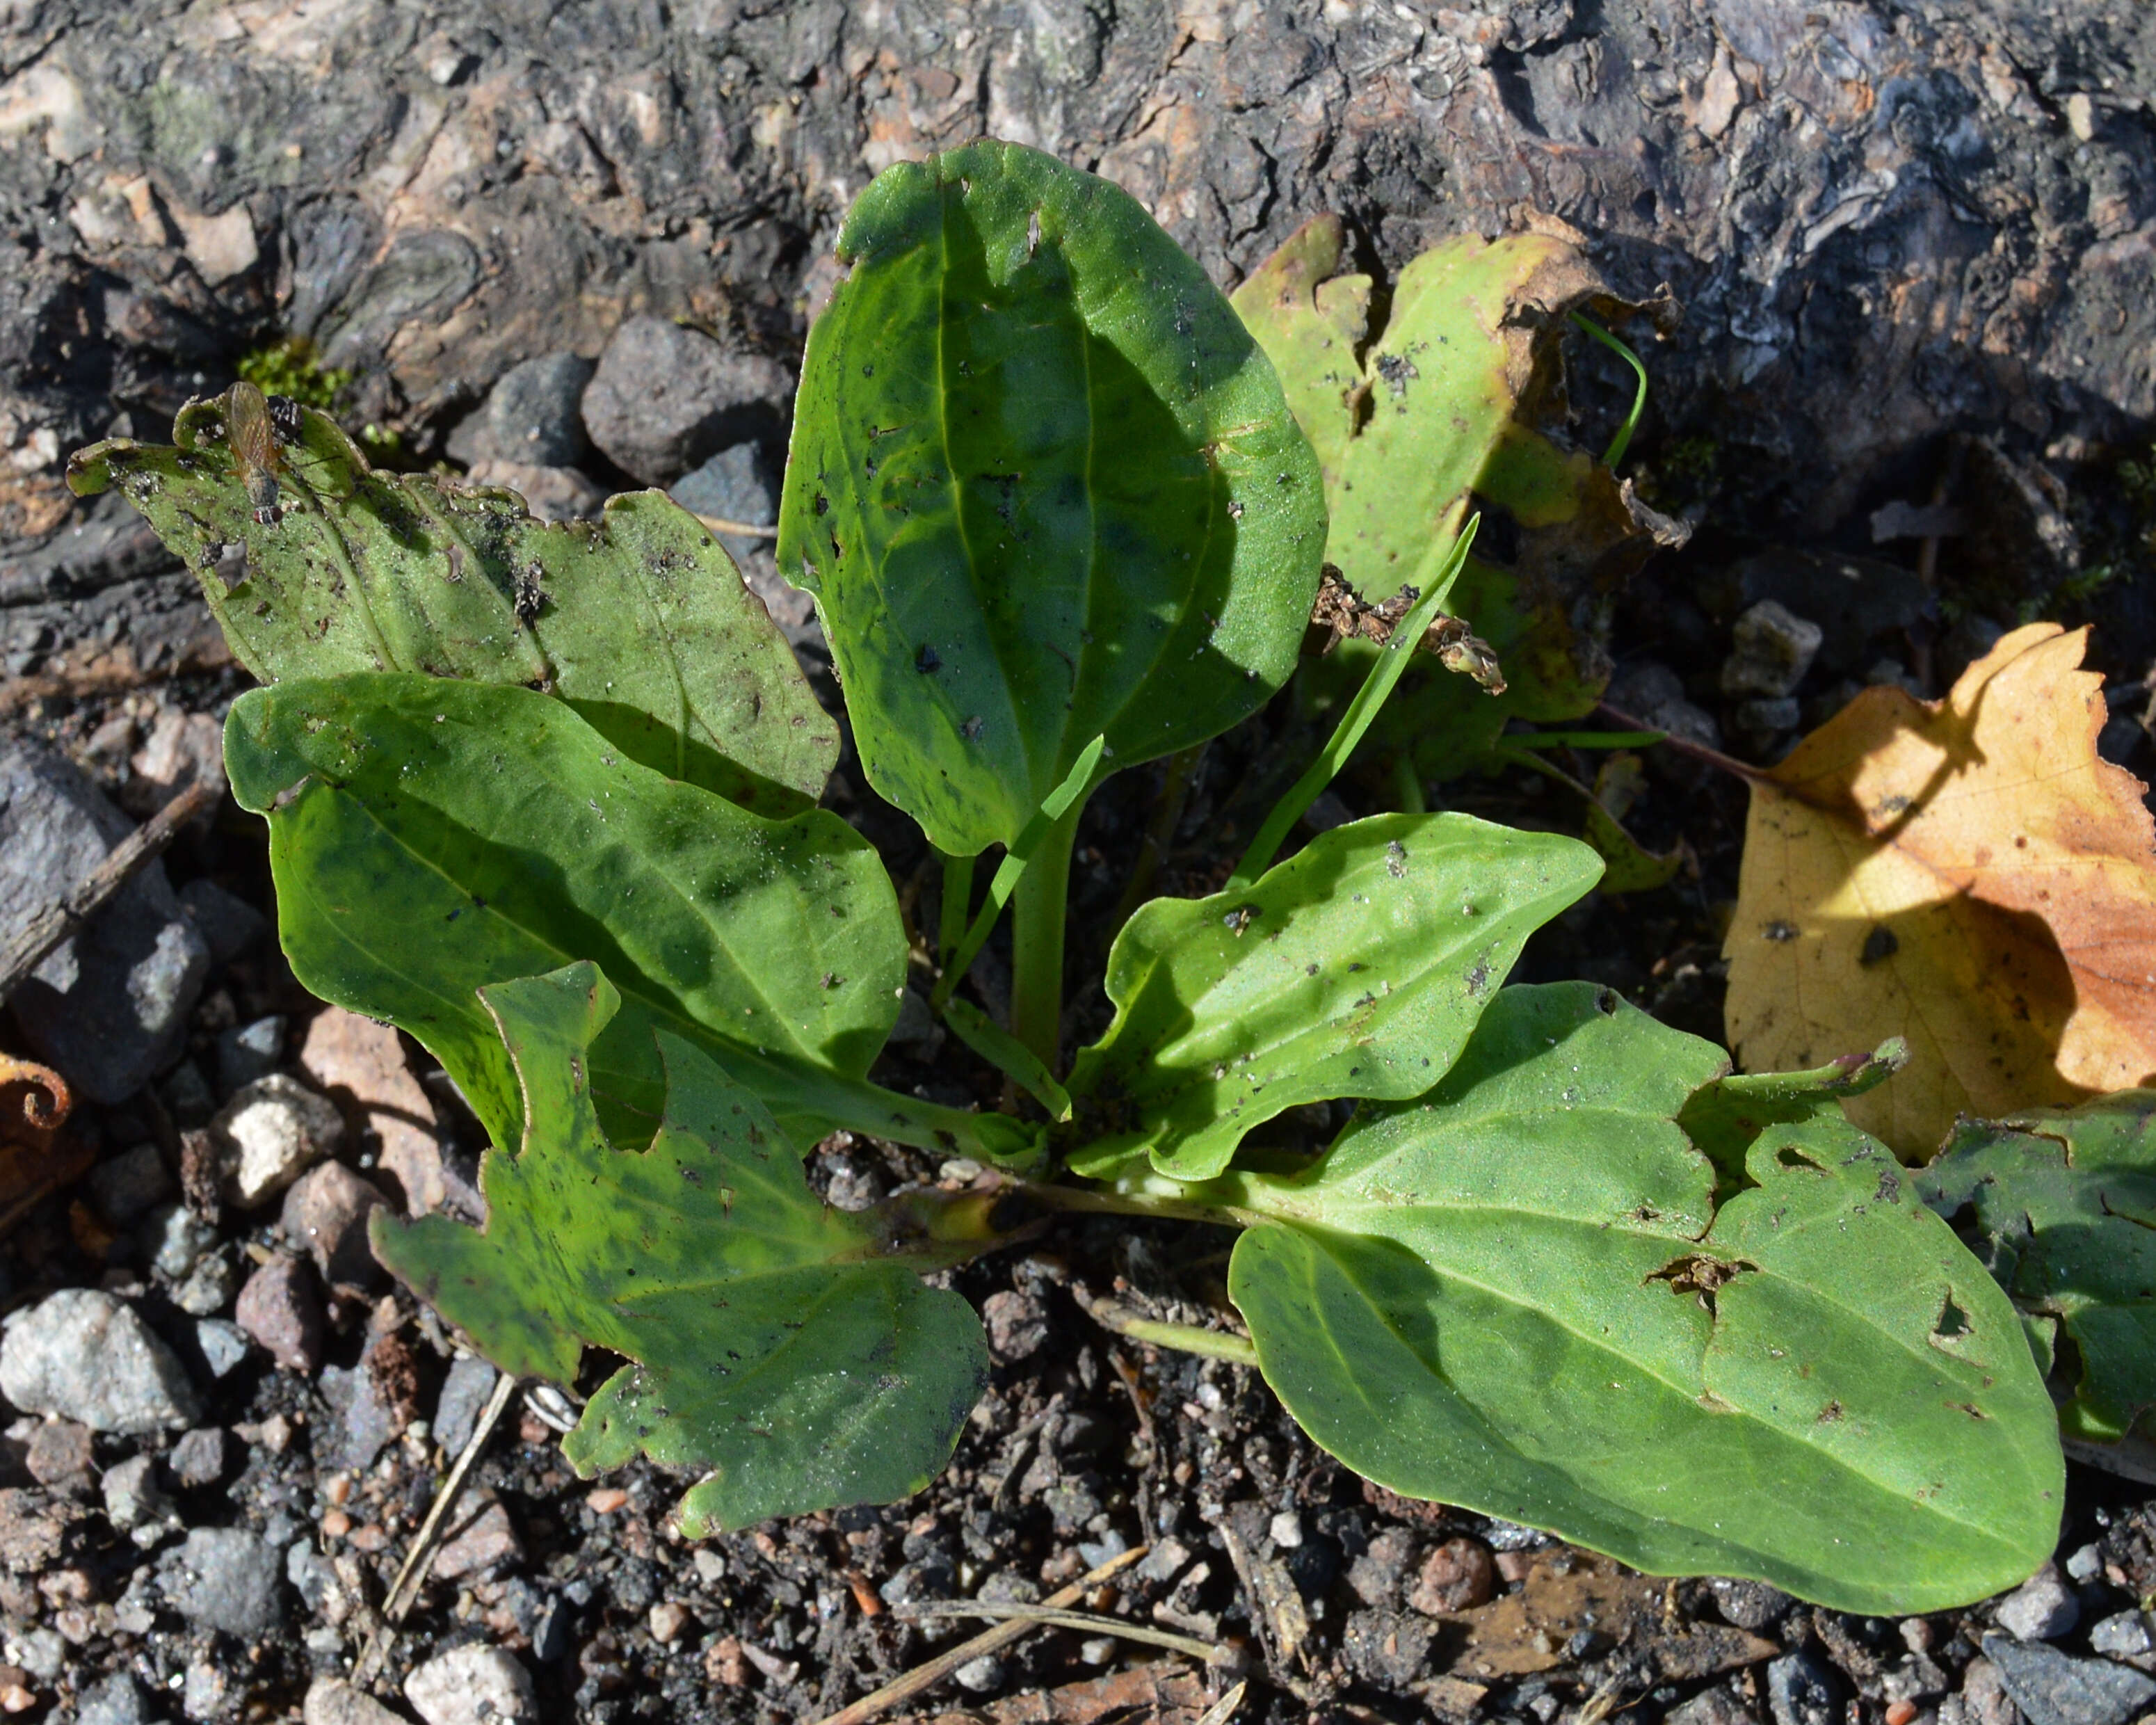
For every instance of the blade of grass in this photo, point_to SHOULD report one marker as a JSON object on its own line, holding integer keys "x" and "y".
{"x": 1391, "y": 662}
{"x": 1623, "y": 440}
{"x": 1009, "y": 1055}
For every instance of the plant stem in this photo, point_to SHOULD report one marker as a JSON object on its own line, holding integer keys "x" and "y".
{"x": 1184, "y": 1338}
{"x": 1037, "y": 920}
{"x": 958, "y": 901}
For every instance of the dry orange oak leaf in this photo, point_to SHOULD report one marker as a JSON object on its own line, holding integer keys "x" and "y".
{"x": 1965, "y": 873}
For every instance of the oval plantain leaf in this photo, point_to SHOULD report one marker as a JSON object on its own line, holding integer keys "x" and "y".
{"x": 429, "y": 837}
{"x": 1516, "y": 1295}
{"x": 2065, "y": 1204}
{"x": 1044, "y": 486}
{"x": 777, "y": 1343}
{"x": 638, "y": 620}
{"x": 1355, "y": 968}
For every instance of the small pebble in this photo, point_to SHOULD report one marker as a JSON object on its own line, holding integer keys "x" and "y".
{"x": 223, "y": 1342}
{"x": 1017, "y": 1324}
{"x": 606, "y": 1500}
{"x": 1286, "y": 1530}
{"x": 198, "y": 1458}
{"x": 1456, "y": 1576}
{"x": 981, "y": 1676}
{"x": 270, "y": 1132}
{"x": 2042, "y": 1608}
{"x": 667, "y": 1620}
{"x": 1097, "y": 1649}
{"x": 88, "y": 1356}
{"x": 281, "y": 1309}
{"x": 469, "y": 1686}
{"x": 2085, "y": 1564}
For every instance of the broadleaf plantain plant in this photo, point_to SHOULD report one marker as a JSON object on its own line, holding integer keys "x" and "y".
{"x": 542, "y": 795}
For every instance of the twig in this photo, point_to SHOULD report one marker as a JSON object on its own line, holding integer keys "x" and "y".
{"x": 923, "y": 1677}
{"x": 1684, "y": 745}
{"x": 1085, "y": 1622}
{"x": 420, "y": 1560}
{"x": 67, "y": 913}
{"x": 738, "y": 530}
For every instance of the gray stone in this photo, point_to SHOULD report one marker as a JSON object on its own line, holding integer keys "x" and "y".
{"x": 226, "y": 1579}
{"x": 223, "y": 1342}
{"x": 88, "y": 1356}
{"x": 981, "y": 1676}
{"x": 665, "y": 399}
{"x": 1748, "y": 1604}
{"x": 247, "y": 1052}
{"x": 1853, "y": 600}
{"x": 1655, "y": 695}
{"x": 529, "y": 416}
{"x": 117, "y": 1700}
{"x": 198, "y": 1458}
{"x": 1390, "y": 1649}
{"x": 734, "y": 486}
{"x": 1017, "y": 1323}
{"x": 332, "y": 1700}
{"x": 1916, "y": 1678}
{"x": 2054, "y": 1689}
{"x": 366, "y": 1424}
{"x": 187, "y": 1096}
{"x": 210, "y": 1285}
{"x": 1380, "y": 1572}
{"x": 468, "y": 1382}
{"x": 135, "y": 1504}
{"x": 325, "y": 1215}
{"x": 552, "y": 494}
{"x": 281, "y": 1309}
{"x": 1711, "y": 1706}
{"x": 272, "y": 1131}
{"x": 227, "y": 924}
{"x": 2042, "y": 1608}
{"x": 1759, "y": 723}
{"x": 110, "y": 1005}
{"x": 41, "y": 1652}
{"x": 1771, "y": 649}
{"x": 1803, "y": 1690}
{"x": 174, "y": 1240}
{"x": 471, "y": 1686}
{"x": 2127, "y": 1635}
{"x": 128, "y": 1186}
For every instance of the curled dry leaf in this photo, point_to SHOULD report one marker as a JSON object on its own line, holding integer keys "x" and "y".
{"x": 1966, "y": 873}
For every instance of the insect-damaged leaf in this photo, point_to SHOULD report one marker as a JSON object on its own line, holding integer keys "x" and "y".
{"x": 788, "y": 1348}
{"x": 1965, "y": 873}
{"x": 2066, "y": 1211}
{"x": 637, "y": 621}
{"x": 1355, "y": 968}
{"x": 429, "y": 837}
{"x": 1516, "y": 1295}
{"x": 1044, "y": 486}
{"x": 1447, "y": 403}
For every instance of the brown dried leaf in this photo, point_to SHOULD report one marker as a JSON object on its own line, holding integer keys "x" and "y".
{"x": 1965, "y": 873}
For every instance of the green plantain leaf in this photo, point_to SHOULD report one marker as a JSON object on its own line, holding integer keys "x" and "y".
{"x": 637, "y": 621}
{"x": 2066, "y": 1206}
{"x": 429, "y": 837}
{"x": 1355, "y": 968}
{"x": 1516, "y": 1295}
{"x": 1044, "y": 487}
{"x": 787, "y": 1348}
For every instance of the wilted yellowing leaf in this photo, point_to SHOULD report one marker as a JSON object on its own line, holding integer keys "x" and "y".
{"x": 1965, "y": 873}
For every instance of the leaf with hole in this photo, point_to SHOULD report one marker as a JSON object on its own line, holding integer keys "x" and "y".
{"x": 429, "y": 837}
{"x": 2064, "y": 1207}
{"x": 1516, "y": 1294}
{"x": 1044, "y": 486}
{"x": 1355, "y": 968}
{"x": 637, "y": 621}
{"x": 787, "y": 1350}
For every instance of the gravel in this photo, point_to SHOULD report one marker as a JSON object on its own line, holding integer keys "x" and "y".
{"x": 2053, "y": 1688}
{"x": 665, "y": 399}
{"x": 331, "y": 1700}
{"x": 1802, "y": 1689}
{"x": 109, "y": 1006}
{"x": 2042, "y": 1608}
{"x": 224, "y": 1579}
{"x": 127, "y": 1187}
{"x": 272, "y": 1131}
{"x": 529, "y": 416}
{"x": 325, "y": 1215}
{"x": 134, "y": 1502}
{"x": 87, "y": 1355}
{"x": 471, "y": 1686}
{"x": 281, "y": 1309}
